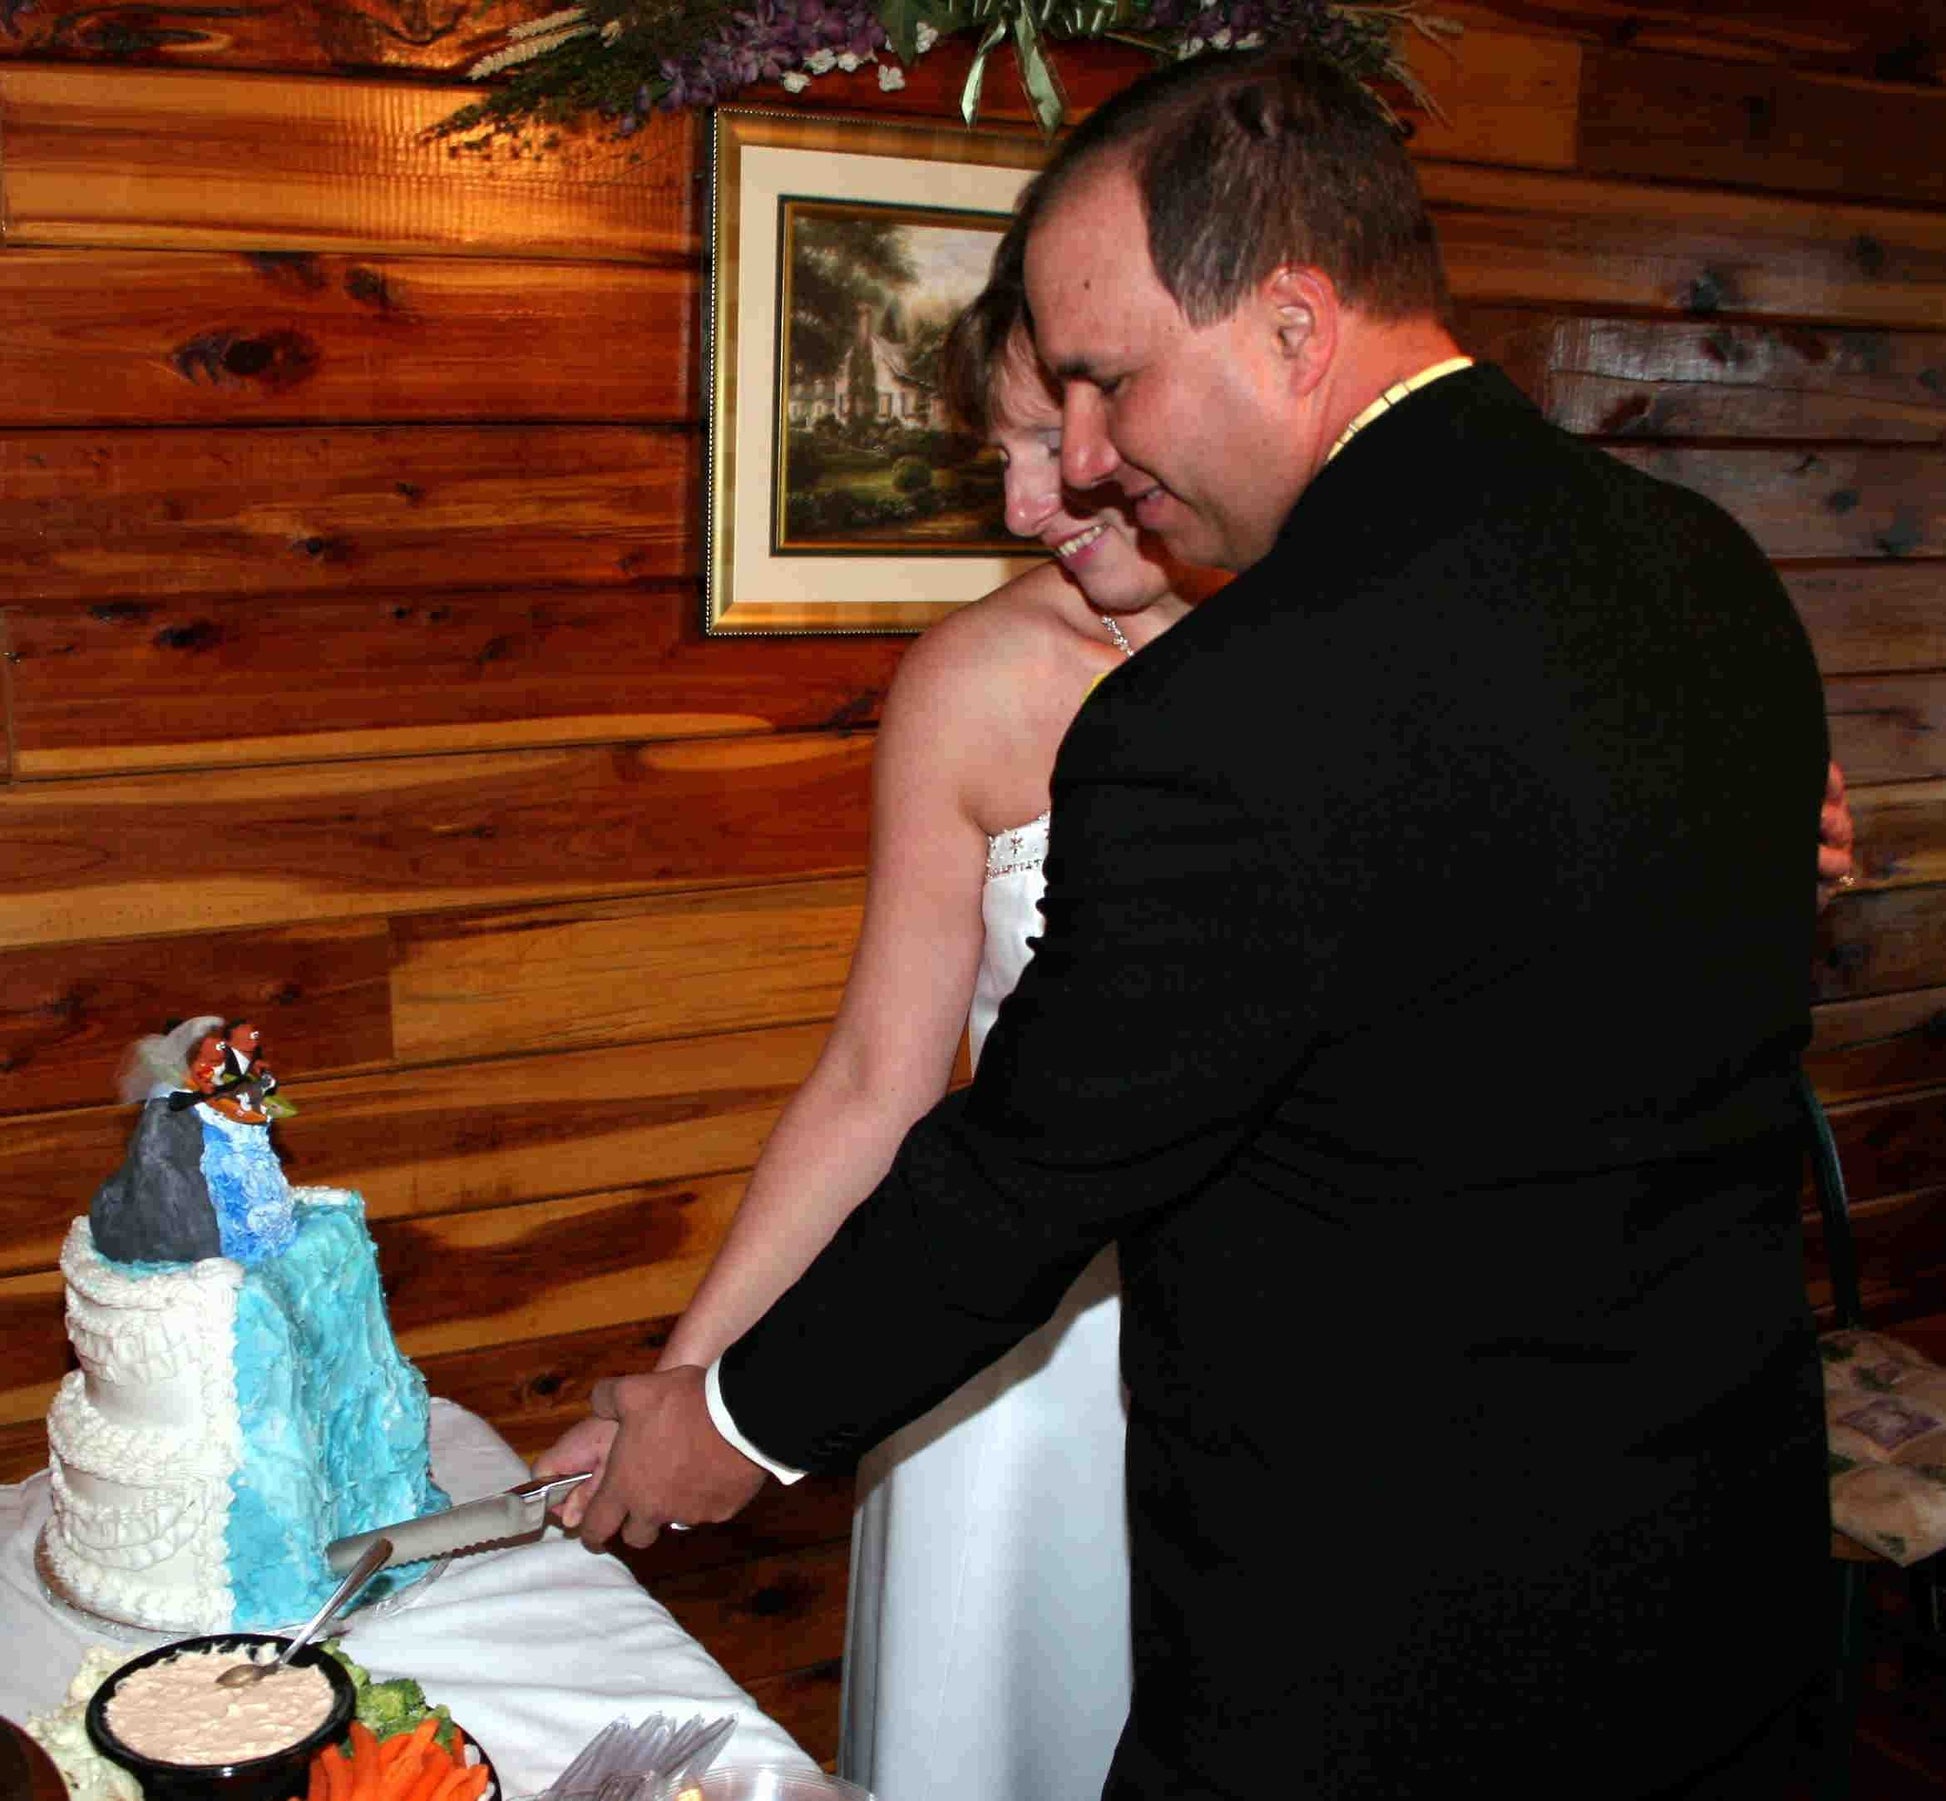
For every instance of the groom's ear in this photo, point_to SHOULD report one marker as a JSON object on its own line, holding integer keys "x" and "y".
{"x": 1301, "y": 310}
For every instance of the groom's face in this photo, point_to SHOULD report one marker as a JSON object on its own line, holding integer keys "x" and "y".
{"x": 1195, "y": 424}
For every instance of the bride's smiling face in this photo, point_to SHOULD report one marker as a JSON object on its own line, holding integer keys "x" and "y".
{"x": 1090, "y": 532}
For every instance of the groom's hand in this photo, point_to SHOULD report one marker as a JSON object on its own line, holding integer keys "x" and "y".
{"x": 667, "y": 1461}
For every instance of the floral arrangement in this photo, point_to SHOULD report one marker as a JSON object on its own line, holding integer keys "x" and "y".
{"x": 616, "y": 61}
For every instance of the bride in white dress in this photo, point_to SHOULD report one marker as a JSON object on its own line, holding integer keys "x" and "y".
{"x": 987, "y": 1653}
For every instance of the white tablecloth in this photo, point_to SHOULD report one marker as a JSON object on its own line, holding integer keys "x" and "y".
{"x": 534, "y": 1648}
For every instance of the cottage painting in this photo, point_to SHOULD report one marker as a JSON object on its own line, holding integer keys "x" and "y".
{"x": 867, "y": 456}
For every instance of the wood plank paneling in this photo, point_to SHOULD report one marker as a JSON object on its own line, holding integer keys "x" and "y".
{"x": 34, "y": 1351}
{"x": 1901, "y": 1248}
{"x": 460, "y": 1137}
{"x": 69, "y": 1012}
{"x": 1669, "y": 118}
{"x": 90, "y": 516}
{"x": 1678, "y": 378}
{"x": 137, "y": 857}
{"x": 1518, "y": 238}
{"x": 1881, "y": 943}
{"x": 1878, "y": 1045}
{"x": 1886, "y": 728}
{"x": 474, "y": 985}
{"x": 1858, "y": 36}
{"x": 316, "y": 35}
{"x": 23, "y": 1449}
{"x": 1873, "y": 617}
{"x": 534, "y": 1397}
{"x": 805, "y": 1703}
{"x": 126, "y": 158}
{"x": 137, "y": 685}
{"x": 786, "y": 1612}
{"x": 501, "y": 1275}
{"x": 1832, "y": 501}
{"x": 168, "y": 337}
{"x": 1901, "y": 835}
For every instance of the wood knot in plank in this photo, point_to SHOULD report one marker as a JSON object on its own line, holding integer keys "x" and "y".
{"x": 369, "y": 288}
{"x": 321, "y": 549}
{"x": 299, "y": 269}
{"x": 274, "y": 360}
{"x": 197, "y": 634}
{"x": 1869, "y": 254}
{"x": 1710, "y": 292}
{"x": 1904, "y": 535}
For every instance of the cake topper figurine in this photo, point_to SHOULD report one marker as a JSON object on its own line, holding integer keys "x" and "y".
{"x": 201, "y": 1178}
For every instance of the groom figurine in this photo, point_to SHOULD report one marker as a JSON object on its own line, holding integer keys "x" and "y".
{"x": 1425, "y": 969}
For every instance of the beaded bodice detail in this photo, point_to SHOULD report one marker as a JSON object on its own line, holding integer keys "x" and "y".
{"x": 1020, "y": 847}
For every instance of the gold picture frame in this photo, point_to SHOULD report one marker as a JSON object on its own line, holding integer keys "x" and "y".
{"x": 838, "y": 498}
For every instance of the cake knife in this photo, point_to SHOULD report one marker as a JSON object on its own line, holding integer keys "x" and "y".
{"x": 471, "y": 1526}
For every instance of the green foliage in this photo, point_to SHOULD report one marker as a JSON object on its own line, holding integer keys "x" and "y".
{"x": 838, "y": 265}
{"x": 911, "y": 475}
{"x": 587, "y": 78}
{"x": 388, "y": 1708}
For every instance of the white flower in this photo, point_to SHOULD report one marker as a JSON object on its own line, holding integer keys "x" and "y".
{"x": 928, "y": 36}
{"x": 795, "y": 81}
{"x": 821, "y": 62}
{"x": 1190, "y": 47}
{"x": 890, "y": 76}
{"x": 1221, "y": 38}
{"x": 1250, "y": 40}
{"x": 847, "y": 62}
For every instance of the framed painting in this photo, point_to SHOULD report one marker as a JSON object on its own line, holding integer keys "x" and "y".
{"x": 841, "y": 498}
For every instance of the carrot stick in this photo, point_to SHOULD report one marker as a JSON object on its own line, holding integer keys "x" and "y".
{"x": 316, "y": 1790}
{"x": 437, "y": 1768}
{"x": 451, "y": 1781}
{"x": 364, "y": 1761}
{"x": 337, "y": 1775}
{"x": 403, "y": 1773}
{"x": 393, "y": 1748}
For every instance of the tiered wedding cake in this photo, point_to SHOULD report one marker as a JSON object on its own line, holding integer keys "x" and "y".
{"x": 240, "y": 1401}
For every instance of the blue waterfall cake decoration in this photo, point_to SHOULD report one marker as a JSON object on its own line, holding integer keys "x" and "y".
{"x": 240, "y": 1401}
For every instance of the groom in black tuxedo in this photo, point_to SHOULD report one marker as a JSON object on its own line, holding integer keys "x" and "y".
{"x": 1428, "y": 928}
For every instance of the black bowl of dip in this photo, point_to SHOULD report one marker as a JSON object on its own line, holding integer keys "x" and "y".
{"x": 277, "y": 1775}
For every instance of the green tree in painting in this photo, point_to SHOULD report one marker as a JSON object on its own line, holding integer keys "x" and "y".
{"x": 837, "y": 266}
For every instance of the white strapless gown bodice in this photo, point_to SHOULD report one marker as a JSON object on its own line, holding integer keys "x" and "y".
{"x": 987, "y": 1652}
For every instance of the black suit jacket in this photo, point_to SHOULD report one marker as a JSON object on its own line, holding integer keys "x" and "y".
{"x": 1428, "y": 927}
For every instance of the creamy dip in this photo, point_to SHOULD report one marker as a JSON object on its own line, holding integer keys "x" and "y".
{"x": 177, "y": 1712}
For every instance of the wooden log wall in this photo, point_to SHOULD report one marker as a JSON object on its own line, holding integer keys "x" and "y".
{"x": 353, "y": 676}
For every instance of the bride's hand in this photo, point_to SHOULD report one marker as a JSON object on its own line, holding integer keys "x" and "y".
{"x": 584, "y": 1446}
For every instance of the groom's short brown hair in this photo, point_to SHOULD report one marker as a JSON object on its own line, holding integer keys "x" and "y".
{"x": 1249, "y": 161}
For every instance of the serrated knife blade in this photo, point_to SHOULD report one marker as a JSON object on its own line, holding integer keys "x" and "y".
{"x": 471, "y": 1526}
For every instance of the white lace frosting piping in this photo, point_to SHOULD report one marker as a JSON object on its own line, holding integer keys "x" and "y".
{"x": 145, "y": 1437}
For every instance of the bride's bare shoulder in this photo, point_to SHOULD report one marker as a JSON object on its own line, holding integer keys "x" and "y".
{"x": 999, "y": 640}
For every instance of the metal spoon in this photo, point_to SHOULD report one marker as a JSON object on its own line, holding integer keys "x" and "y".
{"x": 243, "y": 1674}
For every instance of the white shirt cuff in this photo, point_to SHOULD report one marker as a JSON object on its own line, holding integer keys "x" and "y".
{"x": 720, "y": 1418}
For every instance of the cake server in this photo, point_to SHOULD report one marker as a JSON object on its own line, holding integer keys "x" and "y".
{"x": 471, "y": 1526}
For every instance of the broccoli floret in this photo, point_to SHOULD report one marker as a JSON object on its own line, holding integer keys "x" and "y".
{"x": 393, "y": 1706}
{"x": 360, "y": 1676}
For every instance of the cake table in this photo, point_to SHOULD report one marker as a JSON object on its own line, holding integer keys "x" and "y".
{"x": 534, "y": 1648}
